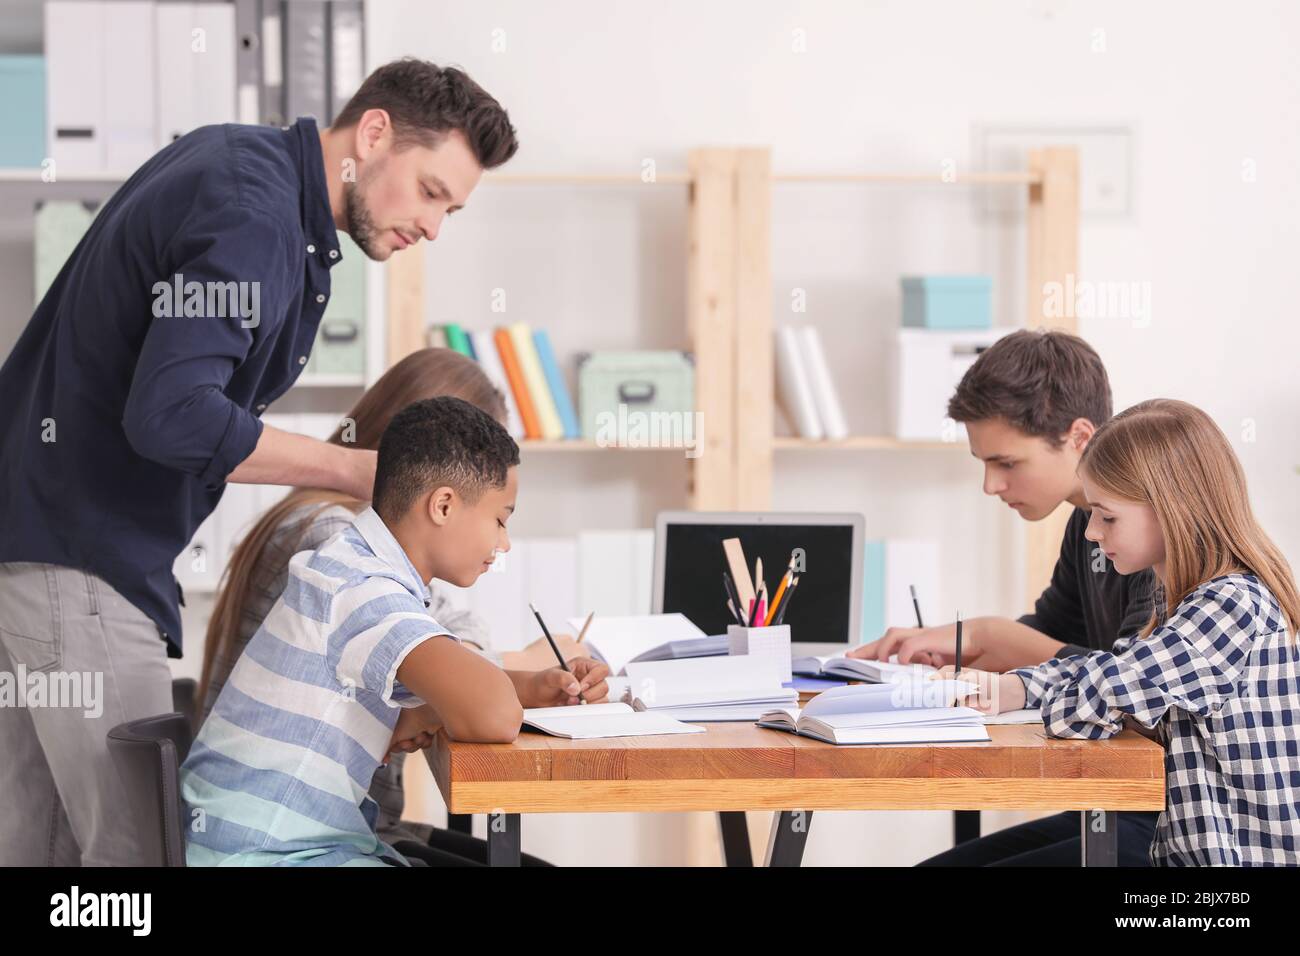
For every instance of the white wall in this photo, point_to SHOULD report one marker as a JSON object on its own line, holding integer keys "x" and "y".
{"x": 600, "y": 87}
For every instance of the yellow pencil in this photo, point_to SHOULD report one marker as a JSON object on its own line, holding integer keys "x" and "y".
{"x": 585, "y": 624}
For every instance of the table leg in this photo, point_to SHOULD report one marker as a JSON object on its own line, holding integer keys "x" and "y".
{"x": 503, "y": 839}
{"x": 460, "y": 822}
{"x": 1100, "y": 837}
{"x": 789, "y": 834}
{"x": 734, "y": 832}
{"x": 965, "y": 826}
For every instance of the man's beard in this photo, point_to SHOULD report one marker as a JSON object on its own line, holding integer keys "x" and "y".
{"x": 361, "y": 228}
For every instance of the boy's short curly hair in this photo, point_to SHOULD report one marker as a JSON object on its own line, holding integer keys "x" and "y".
{"x": 436, "y": 442}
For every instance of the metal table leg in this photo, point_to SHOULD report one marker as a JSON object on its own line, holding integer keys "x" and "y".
{"x": 503, "y": 839}
{"x": 965, "y": 826}
{"x": 1100, "y": 837}
{"x": 734, "y": 832}
{"x": 789, "y": 834}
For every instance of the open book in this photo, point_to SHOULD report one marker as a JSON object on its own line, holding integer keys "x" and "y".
{"x": 710, "y": 688}
{"x": 851, "y": 668}
{"x": 589, "y": 721}
{"x": 617, "y": 641}
{"x": 897, "y": 713}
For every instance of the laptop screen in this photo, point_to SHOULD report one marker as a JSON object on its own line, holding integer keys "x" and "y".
{"x": 821, "y": 608}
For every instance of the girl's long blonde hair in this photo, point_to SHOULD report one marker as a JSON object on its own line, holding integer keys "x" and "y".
{"x": 1172, "y": 456}
{"x": 427, "y": 373}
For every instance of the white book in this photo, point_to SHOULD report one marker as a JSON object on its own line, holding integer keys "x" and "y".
{"x": 793, "y": 387}
{"x": 1027, "y": 716}
{"x": 825, "y": 396}
{"x": 740, "y": 687}
{"x": 489, "y": 359}
{"x": 620, "y": 640}
{"x": 852, "y": 668}
{"x": 591, "y": 721}
{"x": 905, "y": 712}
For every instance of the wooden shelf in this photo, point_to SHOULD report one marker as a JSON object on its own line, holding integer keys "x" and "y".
{"x": 582, "y": 444}
{"x": 863, "y": 443}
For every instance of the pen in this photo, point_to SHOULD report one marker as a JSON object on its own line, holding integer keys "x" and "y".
{"x": 916, "y": 605}
{"x": 785, "y": 604}
{"x": 956, "y": 674}
{"x": 550, "y": 640}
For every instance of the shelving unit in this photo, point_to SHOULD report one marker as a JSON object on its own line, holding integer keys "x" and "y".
{"x": 729, "y": 301}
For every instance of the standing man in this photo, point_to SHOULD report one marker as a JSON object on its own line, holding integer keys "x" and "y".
{"x": 135, "y": 393}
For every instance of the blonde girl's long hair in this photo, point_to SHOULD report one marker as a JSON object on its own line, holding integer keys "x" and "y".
{"x": 428, "y": 373}
{"x": 1172, "y": 456}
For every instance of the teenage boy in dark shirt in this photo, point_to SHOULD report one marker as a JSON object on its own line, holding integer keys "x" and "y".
{"x": 1030, "y": 404}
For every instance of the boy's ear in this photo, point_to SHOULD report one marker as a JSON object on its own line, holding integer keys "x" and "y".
{"x": 441, "y": 502}
{"x": 1080, "y": 433}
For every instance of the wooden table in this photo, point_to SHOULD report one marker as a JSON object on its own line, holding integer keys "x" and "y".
{"x": 738, "y": 766}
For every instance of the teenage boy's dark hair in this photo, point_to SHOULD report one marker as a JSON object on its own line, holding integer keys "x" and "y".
{"x": 1038, "y": 381}
{"x": 425, "y": 102}
{"x": 436, "y": 442}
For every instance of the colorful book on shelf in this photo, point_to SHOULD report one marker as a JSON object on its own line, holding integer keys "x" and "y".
{"x": 457, "y": 339}
{"x": 555, "y": 379}
{"x": 794, "y": 390}
{"x": 515, "y": 376}
{"x": 526, "y": 352}
{"x": 489, "y": 359}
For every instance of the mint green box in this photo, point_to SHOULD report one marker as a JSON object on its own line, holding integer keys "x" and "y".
{"x": 22, "y": 90}
{"x": 60, "y": 224}
{"x": 340, "y": 347}
{"x": 642, "y": 383}
{"x": 947, "y": 302}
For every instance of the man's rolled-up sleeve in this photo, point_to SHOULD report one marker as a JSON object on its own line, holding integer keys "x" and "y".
{"x": 177, "y": 413}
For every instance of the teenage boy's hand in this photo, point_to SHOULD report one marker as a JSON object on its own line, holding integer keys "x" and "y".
{"x": 997, "y": 694}
{"x": 935, "y": 646}
{"x": 415, "y": 730}
{"x": 556, "y": 687}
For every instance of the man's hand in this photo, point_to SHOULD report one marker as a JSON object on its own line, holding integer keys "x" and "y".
{"x": 935, "y": 646}
{"x": 556, "y": 687}
{"x": 415, "y": 730}
{"x": 996, "y": 694}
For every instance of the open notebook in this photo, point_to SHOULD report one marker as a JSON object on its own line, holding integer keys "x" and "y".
{"x": 899, "y": 713}
{"x": 709, "y": 688}
{"x": 590, "y": 721}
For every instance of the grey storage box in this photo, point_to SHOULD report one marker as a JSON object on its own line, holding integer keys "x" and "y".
{"x": 642, "y": 382}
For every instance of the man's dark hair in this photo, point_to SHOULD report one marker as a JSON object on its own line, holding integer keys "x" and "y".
{"x": 436, "y": 442}
{"x": 426, "y": 101}
{"x": 1038, "y": 381}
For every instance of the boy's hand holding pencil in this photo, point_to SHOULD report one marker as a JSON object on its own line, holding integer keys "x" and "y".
{"x": 557, "y": 687}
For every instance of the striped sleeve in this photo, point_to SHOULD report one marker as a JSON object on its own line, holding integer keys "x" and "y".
{"x": 379, "y": 623}
{"x": 1192, "y": 663}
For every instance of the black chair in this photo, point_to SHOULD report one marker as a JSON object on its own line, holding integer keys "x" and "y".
{"x": 183, "y": 702}
{"x": 148, "y": 754}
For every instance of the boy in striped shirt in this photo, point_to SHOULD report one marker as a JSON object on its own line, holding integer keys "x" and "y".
{"x": 280, "y": 770}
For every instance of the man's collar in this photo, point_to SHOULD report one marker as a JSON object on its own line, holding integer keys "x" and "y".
{"x": 387, "y": 548}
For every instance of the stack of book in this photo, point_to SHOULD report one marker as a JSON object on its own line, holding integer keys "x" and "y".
{"x": 521, "y": 363}
{"x": 804, "y": 385}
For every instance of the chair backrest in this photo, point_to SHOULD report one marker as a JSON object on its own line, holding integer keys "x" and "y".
{"x": 148, "y": 754}
{"x": 183, "y": 699}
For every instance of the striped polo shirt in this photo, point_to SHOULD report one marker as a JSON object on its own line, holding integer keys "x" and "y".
{"x": 279, "y": 772}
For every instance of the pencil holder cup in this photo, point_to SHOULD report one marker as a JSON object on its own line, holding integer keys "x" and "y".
{"x": 771, "y": 642}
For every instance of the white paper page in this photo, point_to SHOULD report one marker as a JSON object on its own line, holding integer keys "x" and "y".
{"x": 591, "y": 721}
{"x": 703, "y": 680}
{"x": 866, "y": 698}
{"x": 1016, "y": 717}
{"x": 619, "y": 639}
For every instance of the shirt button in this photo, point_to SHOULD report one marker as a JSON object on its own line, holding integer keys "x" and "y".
{"x": 310, "y": 248}
{"x": 262, "y": 407}
{"x": 302, "y": 360}
{"x": 320, "y": 297}
{"x": 334, "y": 253}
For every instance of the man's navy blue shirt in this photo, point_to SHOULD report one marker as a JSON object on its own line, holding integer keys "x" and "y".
{"x": 123, "y": 416}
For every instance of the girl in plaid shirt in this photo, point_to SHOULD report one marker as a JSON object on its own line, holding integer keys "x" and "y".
{"x": 1215, "y": 674}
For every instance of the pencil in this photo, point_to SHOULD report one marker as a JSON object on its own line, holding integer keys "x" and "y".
{"x": 555, "y": 647}
{"x": 916, "y": 605}
{"x": 585, "y": 624}
{"x": 789, "y": 596}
